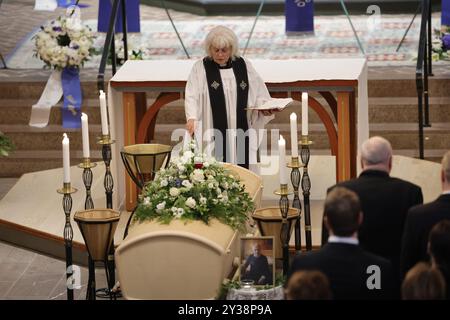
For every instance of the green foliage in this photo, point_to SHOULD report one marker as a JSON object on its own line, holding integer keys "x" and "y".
{"x": 6, "y": 145}
{"x": 227, "y": 285}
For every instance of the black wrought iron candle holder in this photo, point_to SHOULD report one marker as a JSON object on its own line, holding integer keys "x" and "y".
{"x": 108, "y": 183}
{"x": 305, "y": 154}
{"x": 87, "y": 165}
{"x": 295, "y": 179}
{"x": 67, "y": 191}
{"x": 283, "y": 203}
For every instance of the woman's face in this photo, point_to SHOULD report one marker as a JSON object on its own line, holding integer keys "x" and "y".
{"x": 221, "y": 55}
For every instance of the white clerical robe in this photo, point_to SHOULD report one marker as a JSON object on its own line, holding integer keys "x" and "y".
{"x": 198, "y": 108}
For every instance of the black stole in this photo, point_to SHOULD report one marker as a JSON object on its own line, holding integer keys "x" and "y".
{"x": 219, "y": 111}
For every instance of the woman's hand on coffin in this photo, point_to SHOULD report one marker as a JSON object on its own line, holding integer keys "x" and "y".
{"x": 190, "y": 126}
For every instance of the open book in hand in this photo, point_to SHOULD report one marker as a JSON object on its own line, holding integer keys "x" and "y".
{"x": 274, "y": 103}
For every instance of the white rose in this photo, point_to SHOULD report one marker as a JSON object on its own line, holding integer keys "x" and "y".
{"x": 206, "y": 164}
{"x": 198, "y": 159}
{"x": 174, "y": 192}
{"x": 160, "y": 206}
{"x": 164, "y": 183}
{"x": 191, "y": 203}
{"x": 174, "y": 210}
{"x": 211, "y": 185}
{"x": 188, "y": 155}
{"x": 180, "y": 212}
{"x": 198, "y": 175}
{"x": 181, "y": 168}
{"x": 203, "y": 200}
{"x": 187, "y": 184}
{"x": 146, "y": 201}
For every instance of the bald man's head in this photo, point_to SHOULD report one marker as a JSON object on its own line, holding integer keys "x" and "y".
{"x": 376, "y": 153}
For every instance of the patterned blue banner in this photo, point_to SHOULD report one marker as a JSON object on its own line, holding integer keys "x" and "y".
{"x": 68, "y": 3}
{"x": 133, "y": 16}
{"x": 445, "y": 19}
{"x": 299, "y": 16}
{"x": 71, "y": 111}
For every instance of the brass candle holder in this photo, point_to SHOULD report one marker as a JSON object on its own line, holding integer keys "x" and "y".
{"x": 284, "y": 192}
{"x": 67, "y": 191}
{"x": 108, "y": 182}
{"x": 87, "y": 165}
{"x": 295, "y": 179}
{"x": 305, "y": 154}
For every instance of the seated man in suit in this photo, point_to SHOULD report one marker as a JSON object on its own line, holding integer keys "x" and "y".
{"x": 439, "y": 247}
{"x": 385, "y": 202}
{"x": 422, "y": 218}
{"x": 353, "y": 272}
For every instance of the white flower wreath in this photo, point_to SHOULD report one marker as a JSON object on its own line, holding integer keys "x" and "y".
{"x": 64, "y": 42}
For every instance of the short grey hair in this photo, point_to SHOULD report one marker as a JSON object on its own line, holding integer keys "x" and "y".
{"x": 222, "y": 37}
{"x": 446, "y": 165}
{"x": 376, "y": 150}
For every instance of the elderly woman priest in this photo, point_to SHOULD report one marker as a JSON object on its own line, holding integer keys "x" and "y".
{"x": 220, "y": 88}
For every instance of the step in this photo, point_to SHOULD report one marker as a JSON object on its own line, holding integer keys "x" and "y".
{"x": 15, "y": 111}
{"x": 378, "y": 87}
{"x": 34, "y": 89}
{"x": 49, "y": 138}
{"x": 401, "y": 136}
{"x": 21, "y": 114}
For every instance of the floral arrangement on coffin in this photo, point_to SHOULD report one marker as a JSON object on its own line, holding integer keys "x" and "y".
{"x": 441, "y": 44}
{"x": 64, "y": 42}
{"x": 195, "y": 187}
{"x": 6, "y": 145}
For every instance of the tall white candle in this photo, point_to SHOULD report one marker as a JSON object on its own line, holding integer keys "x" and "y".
{"x": 66, "y": 158}
{"x": 294, "y": 138}
{"x": 282, "y": 159}
{"x": 103, "y": 113}
{"x": 304, "y": 113}
{"x": 85, "y": 135}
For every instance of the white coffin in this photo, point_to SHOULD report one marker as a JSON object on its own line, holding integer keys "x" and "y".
{"x": 180, "y": 260}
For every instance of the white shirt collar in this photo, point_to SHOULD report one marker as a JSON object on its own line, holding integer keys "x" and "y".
{"x": 349, "y": 240}
{"x": 446, "y": 192}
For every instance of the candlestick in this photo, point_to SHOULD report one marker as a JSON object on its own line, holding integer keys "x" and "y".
{"x": 108, "y": 182}
{"x": 86, "y": 165}
{"x": 295, "y": 179}
{"x": 304, "y": 113}
{"x": 294, "y": 142}
{"x": 67, "y": 190}
{"x": 104, "y": 113}
{"x": 283, "y": 204}
{"x": 85, "y": 135}
{"x": 282, "y": 159}
{"x": 66, "y": 158}
{"x": 306, "y": 186}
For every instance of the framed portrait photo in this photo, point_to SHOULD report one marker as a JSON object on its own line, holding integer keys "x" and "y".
{"x": 257, "y": 261}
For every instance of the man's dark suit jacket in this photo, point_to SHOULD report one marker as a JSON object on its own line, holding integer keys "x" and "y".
{"x": 346, "y": 265}
{"x": 385, "y": 202}
{"x": 419, "y": 222}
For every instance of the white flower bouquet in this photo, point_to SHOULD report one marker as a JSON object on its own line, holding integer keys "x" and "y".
{"x": 195, "y": 187}
{"x": 64, "y": 42}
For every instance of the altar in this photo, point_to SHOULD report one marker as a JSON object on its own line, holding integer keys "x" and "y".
{"x": 341, "y": 82}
